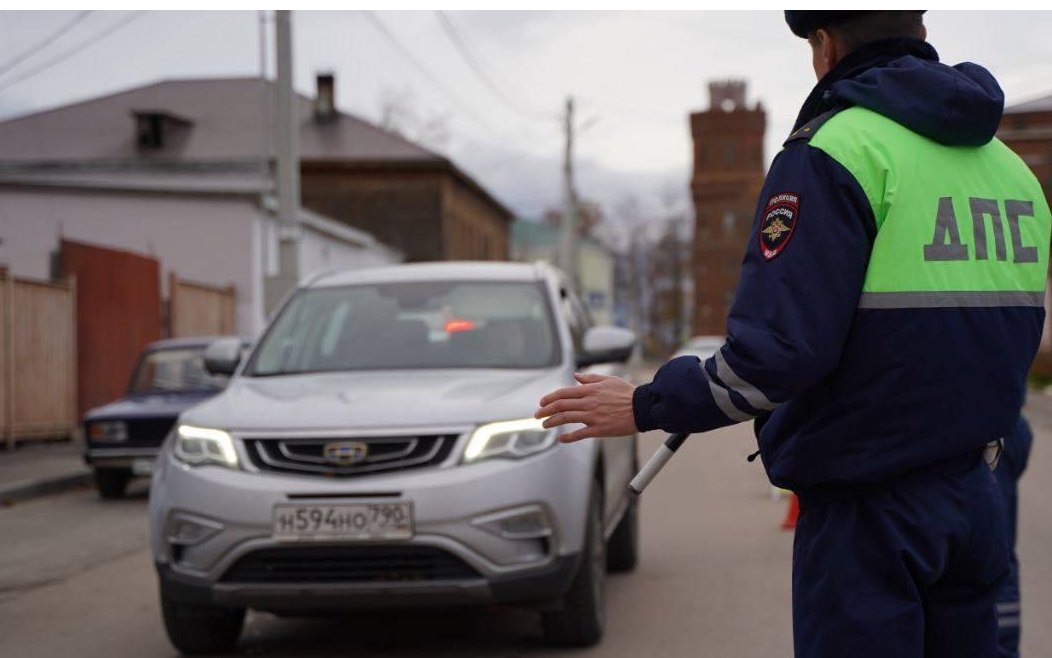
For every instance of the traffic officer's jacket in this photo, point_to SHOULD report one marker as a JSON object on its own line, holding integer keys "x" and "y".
{"x": 891, "y": 296}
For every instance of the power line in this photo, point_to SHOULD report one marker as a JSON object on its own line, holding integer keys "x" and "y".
{"x": 382, "y": 29}
{"x": 44, "y": 43}
{"x": 72, "y": 51}
{"x": 472, "y": 61}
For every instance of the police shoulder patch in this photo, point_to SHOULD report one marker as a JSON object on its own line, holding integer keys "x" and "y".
{"x": 778, "y": 223}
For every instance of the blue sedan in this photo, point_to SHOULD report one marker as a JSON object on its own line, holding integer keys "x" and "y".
{"x": 124, "y": 437}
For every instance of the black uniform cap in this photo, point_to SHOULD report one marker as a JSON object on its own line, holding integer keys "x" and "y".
{"x": 803, "y": 22}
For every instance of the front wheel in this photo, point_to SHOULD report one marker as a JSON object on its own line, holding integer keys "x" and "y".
{"x": 579, "y": 622}
{"x": 622, "y": 551}
{"x": 201, "y": 629}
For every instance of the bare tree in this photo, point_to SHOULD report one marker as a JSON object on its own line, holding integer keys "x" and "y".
{"x": 652, "y": 246}
{"x": 399, "y": 113}
{"x": 668, "y": 273}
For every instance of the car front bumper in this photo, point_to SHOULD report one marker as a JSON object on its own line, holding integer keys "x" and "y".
{"x": 540, "y": 587}
{"x": 120, "y": 457}
{"x": 450, "y": 504}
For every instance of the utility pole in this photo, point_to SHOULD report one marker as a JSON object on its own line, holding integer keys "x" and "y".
{"x": 568, "y": 238}
{"x": 265, "y": 184}
{"x": 286, "y": 143}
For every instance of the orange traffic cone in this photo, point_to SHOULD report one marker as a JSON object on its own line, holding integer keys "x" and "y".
{"x": 789, "y": 522}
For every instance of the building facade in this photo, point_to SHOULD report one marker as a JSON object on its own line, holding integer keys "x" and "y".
{"x": 409, "y": 197}
{"x": 428, "y": 212}
{"x": 1026, "y": 128}
{"x": 728, "y": 176}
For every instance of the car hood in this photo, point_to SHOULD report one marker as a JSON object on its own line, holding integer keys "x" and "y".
{"x": 376, "y": 399}
{"x": 158, "y": 405}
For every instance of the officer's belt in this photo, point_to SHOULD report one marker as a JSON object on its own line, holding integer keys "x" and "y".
{"x": 830, "y": 493}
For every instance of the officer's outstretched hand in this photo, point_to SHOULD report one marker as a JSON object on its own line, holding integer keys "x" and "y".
{"x": 602, "y": 403}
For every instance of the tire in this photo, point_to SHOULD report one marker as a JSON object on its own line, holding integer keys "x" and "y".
{"x": 580, "y": 619}
{"x": 622, "y": 550}
{"x": 111, "y": 482}
{"x": 201, "y": 629}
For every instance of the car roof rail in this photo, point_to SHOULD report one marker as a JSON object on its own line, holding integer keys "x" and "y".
{"x": 544, "y": 267}
{"x": 320, "y": 274}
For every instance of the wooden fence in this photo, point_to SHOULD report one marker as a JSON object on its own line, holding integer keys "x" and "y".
{"x": 38, "y": 358}
{"x": 197, "y": 309}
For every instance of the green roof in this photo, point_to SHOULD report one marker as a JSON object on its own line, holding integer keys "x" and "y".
{"x": 531, "y": 233}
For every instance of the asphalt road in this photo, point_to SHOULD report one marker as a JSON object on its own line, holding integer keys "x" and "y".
{"x": 76, "y": 578}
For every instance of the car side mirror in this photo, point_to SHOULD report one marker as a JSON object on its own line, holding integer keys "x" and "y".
{"x": 606, "y": 345}
{"x": 222, "y": 356}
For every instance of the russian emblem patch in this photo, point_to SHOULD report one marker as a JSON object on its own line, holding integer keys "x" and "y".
{"x": 779, "y": 223}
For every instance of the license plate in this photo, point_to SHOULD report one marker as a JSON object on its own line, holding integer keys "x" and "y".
{"x": 142, "y": 467}
{"x": 344, "y": 521}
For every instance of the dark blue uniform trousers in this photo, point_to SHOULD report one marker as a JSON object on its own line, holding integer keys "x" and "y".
{"x": 911, "y": 569}
{"x": 1009, "y": 469}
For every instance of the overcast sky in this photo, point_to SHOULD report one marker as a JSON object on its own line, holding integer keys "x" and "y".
{"x": 635, "y": 76}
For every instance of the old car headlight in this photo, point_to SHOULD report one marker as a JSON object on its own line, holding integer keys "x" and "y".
{"x": 110, "y": 431}
{"x": 509, "y": 438}
{"x": 202, "y": 445}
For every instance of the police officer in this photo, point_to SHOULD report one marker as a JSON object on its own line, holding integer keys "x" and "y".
{"x": 889, "y": 306}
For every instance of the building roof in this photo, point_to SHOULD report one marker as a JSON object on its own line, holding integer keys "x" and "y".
{"x": 225, "y": 118}
{"x": 213, "y": 130}
{"x": 1043, "y": 104}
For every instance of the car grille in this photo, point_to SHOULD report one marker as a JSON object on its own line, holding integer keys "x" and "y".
{"x": 348, "y": 564}
{"x": 141, "y": 433}
{"x": 308, "y": 456}
{"x": 149, "y": 431}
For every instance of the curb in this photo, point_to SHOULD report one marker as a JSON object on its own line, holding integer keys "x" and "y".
{"x": 26, "y": 489}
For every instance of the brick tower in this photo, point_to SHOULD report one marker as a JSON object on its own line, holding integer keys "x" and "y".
{"x": 728, "y": 175}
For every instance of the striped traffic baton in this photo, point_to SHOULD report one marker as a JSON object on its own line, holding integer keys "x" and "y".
{"x": 656, "y": 463}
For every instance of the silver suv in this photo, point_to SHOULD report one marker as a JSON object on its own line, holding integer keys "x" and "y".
{"x": 377, "y": 448}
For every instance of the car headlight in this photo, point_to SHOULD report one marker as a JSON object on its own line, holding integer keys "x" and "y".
{"x": 202, "y": 445}
{"x": 509, "y": 438}
{"x": 109, "y": 431}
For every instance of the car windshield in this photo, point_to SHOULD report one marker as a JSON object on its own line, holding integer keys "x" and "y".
{"x": 411, "y": 325}
{"x": 174, "y": 370}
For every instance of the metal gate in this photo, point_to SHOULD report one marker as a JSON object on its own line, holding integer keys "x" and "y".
{"x": 118, "y": 313}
